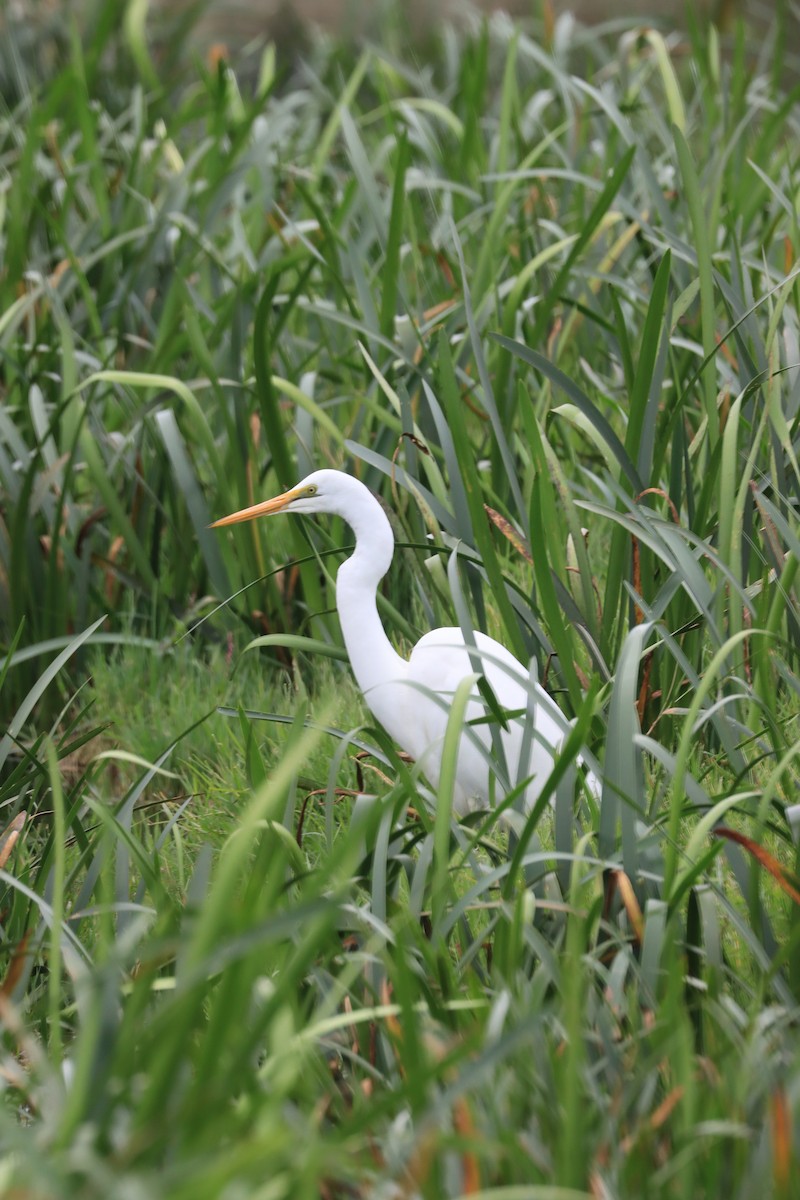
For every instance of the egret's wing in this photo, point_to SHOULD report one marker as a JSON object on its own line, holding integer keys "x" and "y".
{"x": 440, "y": 660}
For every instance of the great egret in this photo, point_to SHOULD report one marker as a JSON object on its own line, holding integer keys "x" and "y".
{"x": 411, "y": 698}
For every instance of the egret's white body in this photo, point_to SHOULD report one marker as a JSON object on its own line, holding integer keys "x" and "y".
{"x": 411, "y": 697}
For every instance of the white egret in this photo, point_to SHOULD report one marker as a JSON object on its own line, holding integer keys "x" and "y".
{"x": 411, "y": 698}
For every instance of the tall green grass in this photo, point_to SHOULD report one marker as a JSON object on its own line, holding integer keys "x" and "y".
{"x": 543, "y": 297}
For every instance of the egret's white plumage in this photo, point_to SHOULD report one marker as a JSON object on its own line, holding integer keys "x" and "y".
{"x": 411, "y": 697}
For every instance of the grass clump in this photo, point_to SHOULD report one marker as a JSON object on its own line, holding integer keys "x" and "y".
{"x": 558, "y": 333}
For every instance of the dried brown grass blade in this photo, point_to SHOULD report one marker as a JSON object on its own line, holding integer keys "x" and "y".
{"x": 15, "y": 967}
{"x": 781, "y": 1141}
{"x": 779, "y": 873}
{"x": 628, "y": 897}
{"x": 510, "y": 533}
{"x": 9, "y": 839}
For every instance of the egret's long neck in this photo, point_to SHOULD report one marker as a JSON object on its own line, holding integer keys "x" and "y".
{"x": 372, "y": 656}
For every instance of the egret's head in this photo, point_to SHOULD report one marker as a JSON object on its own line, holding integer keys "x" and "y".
{"x": 320, "y": 492}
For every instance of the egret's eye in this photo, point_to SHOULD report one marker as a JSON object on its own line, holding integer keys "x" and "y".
{"x": 311, "y": 490}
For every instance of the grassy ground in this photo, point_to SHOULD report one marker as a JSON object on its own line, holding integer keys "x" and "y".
{"x": 539, "y": 292}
